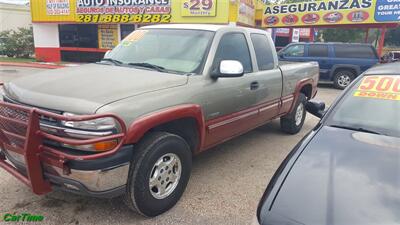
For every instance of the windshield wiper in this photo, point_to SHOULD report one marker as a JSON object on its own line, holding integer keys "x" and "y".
{"x": 149, "y": 65}
{"x": 356, "y": 129}
{"x": 116, "y": 62}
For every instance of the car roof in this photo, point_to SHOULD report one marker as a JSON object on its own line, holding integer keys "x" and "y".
{"x": 384, "y": 69}
{"x": 207, "y": 27}
{"x": 332, "y": 43}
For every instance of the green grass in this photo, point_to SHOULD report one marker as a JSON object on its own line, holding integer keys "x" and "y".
{"x": 21, "y": 60}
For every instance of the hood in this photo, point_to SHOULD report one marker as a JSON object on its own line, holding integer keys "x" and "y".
{"x": 343, "y": 177}
{"x": 85, "y": 88}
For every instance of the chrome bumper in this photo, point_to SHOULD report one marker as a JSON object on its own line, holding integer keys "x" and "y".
{"x": 93, "y": 180}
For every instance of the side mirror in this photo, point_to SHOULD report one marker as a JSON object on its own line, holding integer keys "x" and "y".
{"x": 316, "y": 108}
{"x": 229, "y": 68}
{"x": 106, "y": 54}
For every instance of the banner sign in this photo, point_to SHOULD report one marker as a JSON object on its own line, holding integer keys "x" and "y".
{"x": 57, "y": 7}
{"x": 247, "y": 12}
{"x": 131, "y": 11}
{"x": 387, "y": 10}
{"x": 115, "y": 11}
{"x": 108, "y": 36}
{"x": 198, "y": 7}
{"x": 331, "y": 12}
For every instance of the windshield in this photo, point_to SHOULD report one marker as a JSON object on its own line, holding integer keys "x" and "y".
{"x": 373, "y": 104}
{"x": 170, "y": 49}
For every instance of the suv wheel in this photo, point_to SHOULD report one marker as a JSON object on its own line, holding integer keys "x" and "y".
{"x": 342, "y": 79}
{"x": 158, "y": 174}
{"x": 293, "y": 122}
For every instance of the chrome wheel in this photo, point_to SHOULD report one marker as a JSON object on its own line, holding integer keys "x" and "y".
{"x": 343, "y": 80}
{"x": 165, "y": 175}
{"x": 299, "y": 114}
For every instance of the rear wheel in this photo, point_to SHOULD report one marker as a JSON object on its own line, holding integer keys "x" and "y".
{"x": 293, "y": 122}
{"x": 342, "y": 79}
{"x": 158, "y": 174}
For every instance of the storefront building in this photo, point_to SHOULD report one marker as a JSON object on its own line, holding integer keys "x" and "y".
{"x": 83, "y": 30}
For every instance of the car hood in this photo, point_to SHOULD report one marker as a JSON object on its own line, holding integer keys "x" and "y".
{"x": 343, "y": 177}
{"x": 84, "y": 89}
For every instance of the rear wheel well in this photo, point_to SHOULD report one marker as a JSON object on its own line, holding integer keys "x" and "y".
{"x": 186, "y": 128}
{"x": 352, "y": 70}
{"x": 307, "y": 90}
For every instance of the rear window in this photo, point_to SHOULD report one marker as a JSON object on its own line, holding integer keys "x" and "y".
{"x": 318, "y": 51}
{"x": 354, "y": 51}
{"x": 265, "y": 59}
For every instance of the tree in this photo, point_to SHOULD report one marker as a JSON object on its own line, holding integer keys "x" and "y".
{"x": 393, "y": 37}
{"x": 17, "y": 42}
{"x": 341, "y": 35}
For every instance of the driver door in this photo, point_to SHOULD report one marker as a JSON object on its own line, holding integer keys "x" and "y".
{"x": 228, "y": 103}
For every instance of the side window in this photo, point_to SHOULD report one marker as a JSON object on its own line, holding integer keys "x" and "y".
{"x": 295, "y": 51}
{"x": 265, "y": 59}
{"x": 233, "y": 46}
{"x": 318, "y": 51}
{"x": 355, "y": 51}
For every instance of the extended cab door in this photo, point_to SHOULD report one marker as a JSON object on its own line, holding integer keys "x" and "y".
{"x": 268, "y": 76}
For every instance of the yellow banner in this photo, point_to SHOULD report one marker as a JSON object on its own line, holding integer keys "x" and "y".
{"x": 130, "y": 11}
{"x": 331, "y": 12}
{"x": 379, "y": 87}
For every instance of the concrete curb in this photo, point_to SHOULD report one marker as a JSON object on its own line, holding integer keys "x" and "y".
{"x": 32, "y": 65}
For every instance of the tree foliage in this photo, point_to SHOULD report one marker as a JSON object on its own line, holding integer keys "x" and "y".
{"x": 17, "y": 43}
{"x": 393, "y": 37}
{"x": 342, "y": 35}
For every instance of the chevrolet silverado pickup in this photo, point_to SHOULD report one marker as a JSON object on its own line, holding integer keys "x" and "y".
{"x": 129, "y": 125}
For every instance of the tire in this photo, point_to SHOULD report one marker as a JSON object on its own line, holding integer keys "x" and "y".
{"x": 149, "y": 160}
{"x": 292, "y": 123}
{"x": 342, "y": 79}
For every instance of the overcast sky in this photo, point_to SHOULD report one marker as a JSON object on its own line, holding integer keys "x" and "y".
{"x": 15, "y": 1}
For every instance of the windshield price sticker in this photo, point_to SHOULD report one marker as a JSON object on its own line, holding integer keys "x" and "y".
{"x": 133, "y": 37}
{"x": 379, "y": 87}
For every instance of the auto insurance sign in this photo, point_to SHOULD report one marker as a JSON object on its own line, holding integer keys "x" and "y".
{"x": 328, "y": 12}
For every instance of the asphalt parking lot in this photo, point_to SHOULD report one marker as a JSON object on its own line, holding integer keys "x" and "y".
{"x": 226, "y": 184}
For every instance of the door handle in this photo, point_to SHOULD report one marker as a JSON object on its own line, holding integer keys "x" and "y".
{"x": 254, "y": 85}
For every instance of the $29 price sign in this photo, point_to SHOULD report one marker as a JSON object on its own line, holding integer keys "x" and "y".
{"x": 198, "y": 8}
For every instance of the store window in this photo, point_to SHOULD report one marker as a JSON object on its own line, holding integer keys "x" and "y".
{"x": 126, "y": 29}
{"x": 78, "y": 35}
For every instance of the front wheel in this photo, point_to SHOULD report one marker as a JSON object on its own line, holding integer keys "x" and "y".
{"x": 293, "y": 122}
{"x": 158, "y": 174}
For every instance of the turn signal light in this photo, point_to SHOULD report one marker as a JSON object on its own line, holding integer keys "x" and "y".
{"x": 105, "y": 145}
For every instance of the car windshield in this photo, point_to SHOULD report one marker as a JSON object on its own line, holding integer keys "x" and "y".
{"x": 372, "y": 105}
{"x": 178, "y": 50}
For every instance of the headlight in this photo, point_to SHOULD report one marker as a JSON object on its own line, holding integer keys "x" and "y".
{"x": 90, "y": 129}
{"x": 106, "y": 123}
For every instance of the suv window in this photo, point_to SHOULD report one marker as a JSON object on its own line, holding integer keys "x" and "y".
{"x": 354, "y": 51}
{"x": 233, "y": 46}
{"x": 265, "y": 59}
{"x": 294, "y": 51}
{"x": 318, "y": 51}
